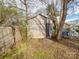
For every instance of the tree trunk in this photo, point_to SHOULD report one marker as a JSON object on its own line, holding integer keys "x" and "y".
{"x": 25, "y": 3}
{"x": 55, "y": 27}
{"x": 64, "y": 13}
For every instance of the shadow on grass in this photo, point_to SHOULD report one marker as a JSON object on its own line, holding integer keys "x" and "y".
{"x": 69, "y": 43}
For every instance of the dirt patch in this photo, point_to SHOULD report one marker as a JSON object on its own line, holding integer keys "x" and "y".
{"x": 51, "y": 50}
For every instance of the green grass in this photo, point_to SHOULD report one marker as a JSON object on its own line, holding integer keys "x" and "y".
{"x": 16, "y": 52}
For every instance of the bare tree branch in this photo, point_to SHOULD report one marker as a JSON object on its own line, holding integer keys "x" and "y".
{"x": 22, "y": 2}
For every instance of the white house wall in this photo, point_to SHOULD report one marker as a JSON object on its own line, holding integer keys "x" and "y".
{"x": 37, "y": 27}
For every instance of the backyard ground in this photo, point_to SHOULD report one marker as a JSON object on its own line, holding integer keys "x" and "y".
{"x": 44, "y": 49}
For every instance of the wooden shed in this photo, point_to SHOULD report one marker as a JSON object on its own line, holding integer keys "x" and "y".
{"x": 40, "y": 27}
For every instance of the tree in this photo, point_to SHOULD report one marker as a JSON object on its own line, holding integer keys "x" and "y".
{"x": 23, "y": 14}
{"x": 63, "y": 18}
{"x": 6, "y": 14}
{"x": 63, "y": 13}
